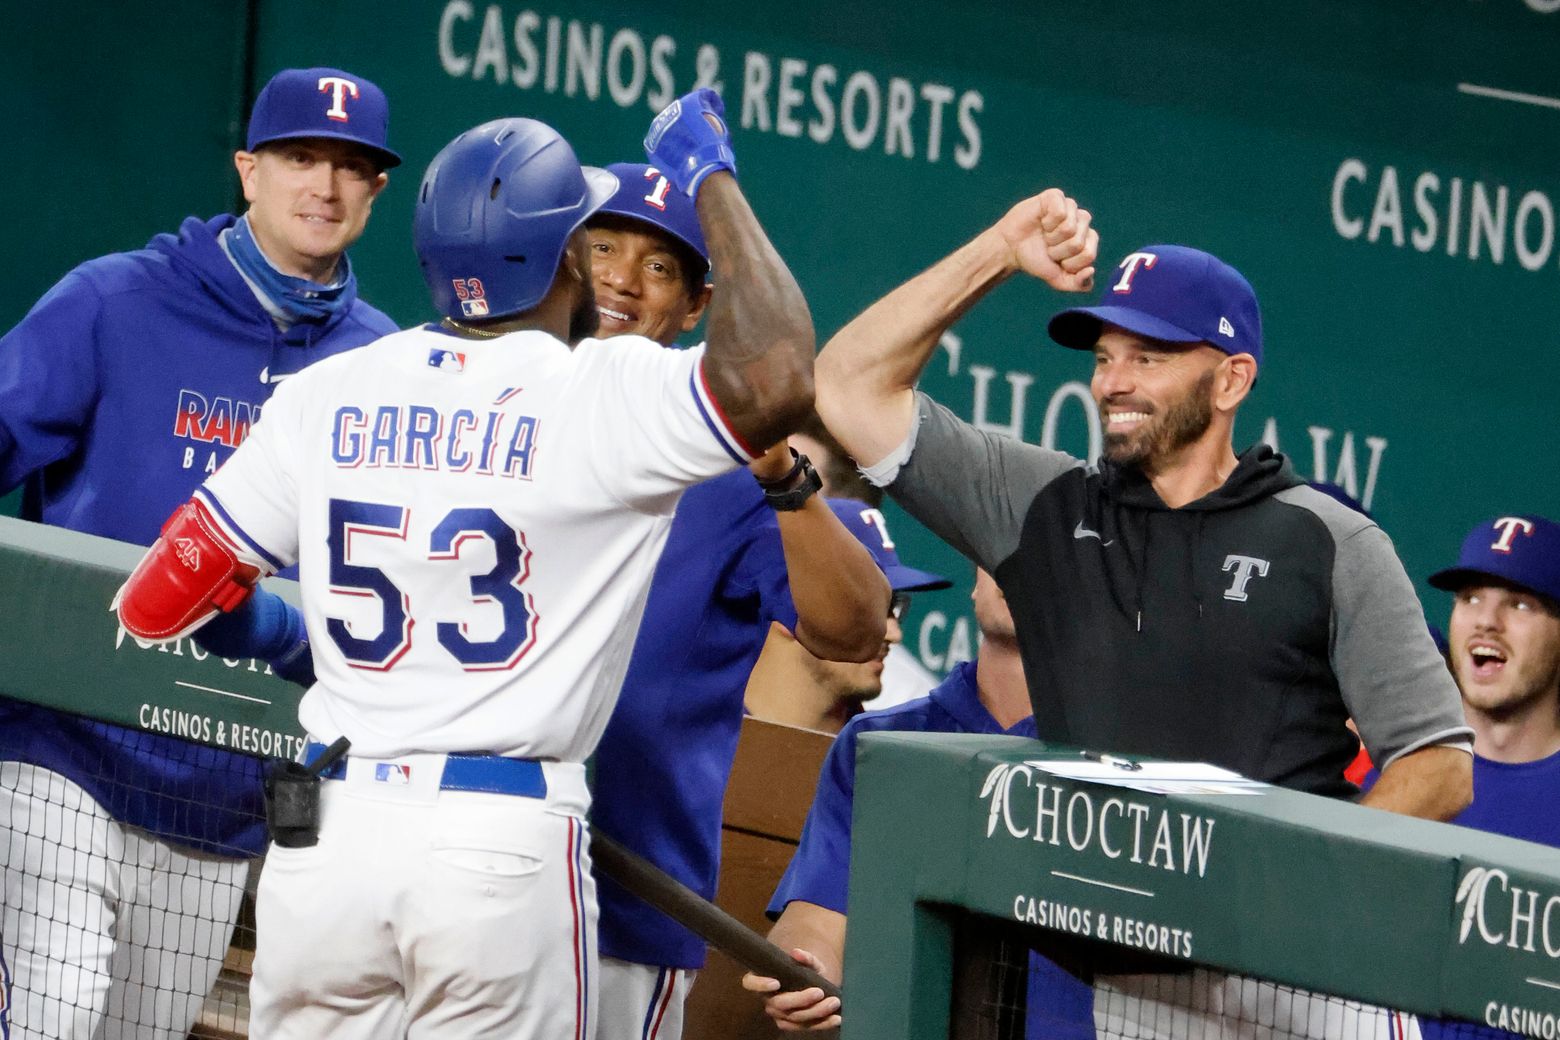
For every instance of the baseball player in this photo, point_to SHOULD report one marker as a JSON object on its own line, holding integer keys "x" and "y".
{"x": 1504, "y": 649}
{"x": 987, "y": 695}
{"x": 475, "y": 542}
{"x": 133, "y": 379}
{"x": 737, "y": 560}
{"x": 792, "y": 685}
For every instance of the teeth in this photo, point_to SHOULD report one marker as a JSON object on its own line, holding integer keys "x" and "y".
{"x": 1124, "y": 417}
{"x": 618, "y": 315}
{"x": 1487, "y": 653}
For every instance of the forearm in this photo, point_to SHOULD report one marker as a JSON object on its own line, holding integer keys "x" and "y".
{"x": 867, "y": 372}
{"x": 1433, "y": 783}
{"x": 840, "y": 594}
{"x": 759, "y": 356}
{"x": 267, "y": 627}
{"x": 816, "y": 929}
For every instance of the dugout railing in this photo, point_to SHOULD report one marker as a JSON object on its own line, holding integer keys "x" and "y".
{"x": 61, "y": 647}
{"x": 1333, "y": 919}
{"x": 950, "y": 887}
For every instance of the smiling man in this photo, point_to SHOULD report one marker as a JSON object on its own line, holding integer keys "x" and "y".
{"x": 743, "y": 555}
{"x": 1173, "y": 598}
{"x": 128, "y": 384}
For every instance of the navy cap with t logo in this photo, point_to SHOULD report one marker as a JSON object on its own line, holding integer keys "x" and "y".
{"x": 1522, "y": 550}
{"x": 871, "y": 530}
{"x": 646, "y": 196}
{"x": 323, "y": 102}
{"x": 1172, "y": 293}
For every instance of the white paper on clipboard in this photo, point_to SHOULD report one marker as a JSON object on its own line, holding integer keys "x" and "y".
{"x": 1153, "y": 777}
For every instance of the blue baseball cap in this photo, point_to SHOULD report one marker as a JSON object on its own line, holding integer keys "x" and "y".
{"x": 646, "y": 196}
{"x": 1172, "y": 293}
{"x": 323, "y": 102}
{"x": 1522, "y": 550}
{"x": 869, "y": 527}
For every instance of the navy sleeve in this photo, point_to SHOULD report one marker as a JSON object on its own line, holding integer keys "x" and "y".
{"x": 819, "y": 871}
{"x": 761, "y": 572}
{"x": 264, "y": 626}
{"x": 48, "y": 379}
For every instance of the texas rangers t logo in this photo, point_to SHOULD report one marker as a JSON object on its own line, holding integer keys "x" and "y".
{"x": 1508, "y": 527}
{"x": 339, "y": 89}
{"x": 1244, "y": 567}
{"x": 1129, "y": 269}
{"x": 875, "y": 518}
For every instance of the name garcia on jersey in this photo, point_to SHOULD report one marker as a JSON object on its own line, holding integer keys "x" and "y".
{"x": 422, "y": 437}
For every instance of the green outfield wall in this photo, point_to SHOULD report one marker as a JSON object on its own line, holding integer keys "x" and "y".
{"x": 1385, "y": 172}
{"x": 1306, "y": 891}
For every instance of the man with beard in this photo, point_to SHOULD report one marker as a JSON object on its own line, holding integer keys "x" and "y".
{"x": 1175, "y": 598}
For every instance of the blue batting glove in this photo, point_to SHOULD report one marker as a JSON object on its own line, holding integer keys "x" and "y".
{"x": 689, "y": 140}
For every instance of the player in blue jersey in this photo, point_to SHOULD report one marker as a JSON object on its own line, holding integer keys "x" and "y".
{"x": 987, "y": 695}
{"x": 793, "y": 686}
{"x": 1504, "y": 649}
{"x": 1504, "y": 645}
{"x": 736, "y": 561}
{"x": 129, "y": 383}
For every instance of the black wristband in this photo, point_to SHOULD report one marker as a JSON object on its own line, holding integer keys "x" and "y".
{"x": 791, "y": 491}
{"x": 798, "y": 460}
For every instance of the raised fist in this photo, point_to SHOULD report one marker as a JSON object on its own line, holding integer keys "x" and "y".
{"x": 1051, "y": 239}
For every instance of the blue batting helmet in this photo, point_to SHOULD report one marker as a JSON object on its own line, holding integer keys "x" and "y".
{"x": 646, "y": 196}
{"x": 495, "y": 212}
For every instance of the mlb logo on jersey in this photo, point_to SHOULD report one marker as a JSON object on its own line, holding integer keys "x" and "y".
{"x": 392, "y": 773}
{"x": 448, "y": 360}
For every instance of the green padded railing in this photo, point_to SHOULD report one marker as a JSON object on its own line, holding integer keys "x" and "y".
{"x": 61, "y": 646}
{"x": 1300, "y": 890}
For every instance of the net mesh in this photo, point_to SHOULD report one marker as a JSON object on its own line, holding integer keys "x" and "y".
{"x": 112, "y": 930}
{"x": 1016, "y": 983}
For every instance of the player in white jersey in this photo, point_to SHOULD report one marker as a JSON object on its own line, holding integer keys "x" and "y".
{"x": 476, "y": 512}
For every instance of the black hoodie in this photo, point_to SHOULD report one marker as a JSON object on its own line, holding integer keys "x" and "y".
{"x": 1242, "y": 629}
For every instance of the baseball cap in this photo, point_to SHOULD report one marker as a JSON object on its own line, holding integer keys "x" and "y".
{"x": 1522, "y": 550}
{"x": 644, "y": 195}
{"x": 1172, "y": 293}
{"x": 322, "y": 102}
{"x": 871, "y": 530}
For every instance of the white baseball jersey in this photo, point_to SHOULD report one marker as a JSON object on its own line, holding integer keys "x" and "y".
{"x": 476, "y": 523}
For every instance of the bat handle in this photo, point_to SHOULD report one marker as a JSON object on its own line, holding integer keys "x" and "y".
{"x": 330, "y": 756}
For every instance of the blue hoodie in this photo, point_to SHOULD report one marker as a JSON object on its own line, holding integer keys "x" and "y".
{"x": 127, "y": 385}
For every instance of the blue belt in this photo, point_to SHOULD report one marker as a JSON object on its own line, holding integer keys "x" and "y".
{"x": 491, "y": 774}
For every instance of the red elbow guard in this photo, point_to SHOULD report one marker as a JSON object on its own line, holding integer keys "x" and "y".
{"x": 191, "y": 572}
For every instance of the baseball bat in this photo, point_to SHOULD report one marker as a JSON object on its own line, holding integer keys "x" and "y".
{"x": 712, "y": 924}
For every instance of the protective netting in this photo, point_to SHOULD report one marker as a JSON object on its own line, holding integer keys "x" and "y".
{"x": 1012, "y": 983}
{"x": 111, "y": 930}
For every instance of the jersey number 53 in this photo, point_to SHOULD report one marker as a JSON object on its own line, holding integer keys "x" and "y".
{"x": 459, "y": 528}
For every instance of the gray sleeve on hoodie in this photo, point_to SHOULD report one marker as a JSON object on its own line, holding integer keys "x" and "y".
{"x": 972, "y": 488}
{"x": 1393, "y": 679}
